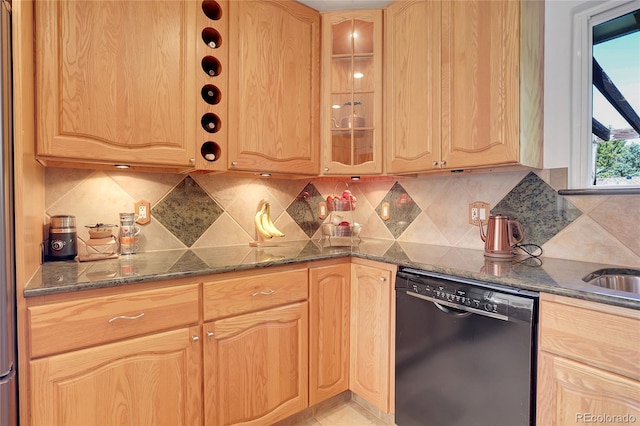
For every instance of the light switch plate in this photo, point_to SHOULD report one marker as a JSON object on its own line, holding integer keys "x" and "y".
{"x": 385, "y": 213}
{"x": 322, "y": 209}
{"x": 143, "y": 212}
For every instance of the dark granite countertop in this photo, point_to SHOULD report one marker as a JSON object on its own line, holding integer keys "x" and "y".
{"x": 549, "y": 275}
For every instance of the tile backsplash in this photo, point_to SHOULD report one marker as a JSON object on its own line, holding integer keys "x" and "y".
{"x": 217, "y": 210}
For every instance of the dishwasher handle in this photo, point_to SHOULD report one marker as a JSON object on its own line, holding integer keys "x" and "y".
{"x": 450, "y": 311}
{"x": 465, "y": 309}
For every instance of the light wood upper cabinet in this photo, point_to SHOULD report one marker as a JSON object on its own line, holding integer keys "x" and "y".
{"x": 274, "y": 64}
{"x": 412, "y": 81}
{"x": 115, "y": 82}
{"x": 372, "y": 329}
{"x": 149, "y": 380}
{"x": 329, "y": 295}
{"x": 491, "y": 74}
{"x": 588, "y": 362}
{"x": 351, "y": 114}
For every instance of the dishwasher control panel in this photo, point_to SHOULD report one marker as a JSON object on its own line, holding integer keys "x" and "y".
{"x": 468, "y": 296}
{"x": 461, "y": 295}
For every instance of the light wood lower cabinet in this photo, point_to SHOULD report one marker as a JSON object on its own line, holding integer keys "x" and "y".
{"x": 372, "y": 328}
{"x": 574, "y": 393}
{"x": 255, "y": 366}
{"x": 328, "y": 331}
{"x": 151, "y": 380}
{"x": 588, "y": 363}
{"x": 272, "y": 343}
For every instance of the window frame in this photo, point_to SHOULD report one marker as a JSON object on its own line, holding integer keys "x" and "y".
{"x": 581, "y": 150}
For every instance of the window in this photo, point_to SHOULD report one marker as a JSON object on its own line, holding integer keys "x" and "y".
{"x": 606, "y": 96}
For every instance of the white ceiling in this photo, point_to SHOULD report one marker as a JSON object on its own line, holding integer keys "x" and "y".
{"x": 330, "y": 5}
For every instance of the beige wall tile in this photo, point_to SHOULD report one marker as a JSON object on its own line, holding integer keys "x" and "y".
{"x": 146, "y": 186}
{"x": 586, "y": 241}
{"x": 224, "y": 189}
{"x": 620, "y": 216}
{"x": 61, "y": 181}
{"x": 423, "y": 230}
{"x": 224, "y": 232}
{"x": 609, "y": 232}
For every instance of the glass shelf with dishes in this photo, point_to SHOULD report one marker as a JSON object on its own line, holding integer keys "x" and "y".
{"x": 352, "y": 92}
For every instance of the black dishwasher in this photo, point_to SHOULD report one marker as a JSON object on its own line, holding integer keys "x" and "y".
{"x": 465, "y": 352}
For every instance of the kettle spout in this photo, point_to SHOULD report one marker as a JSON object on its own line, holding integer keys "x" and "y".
{"x": 483, "y": 236}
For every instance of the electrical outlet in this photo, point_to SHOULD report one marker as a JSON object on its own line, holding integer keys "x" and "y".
{"x": 475, "y": 215}
{"x": 478, "y": 213}
{"x": 142, "y": 212}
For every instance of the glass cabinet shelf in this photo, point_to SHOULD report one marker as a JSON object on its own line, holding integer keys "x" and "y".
{"x": 351, "y": 111}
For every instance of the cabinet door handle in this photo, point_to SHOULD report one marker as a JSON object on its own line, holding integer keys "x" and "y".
{"x": 195, "y": 338}
{"x": 209, "y": 333}
{"x": 383, "y": 279}
{"x": 234, "y": 163}
{"x": 435, "y": 164}
{"x": 263, "y": 292}
{"x": 140, "y": 315}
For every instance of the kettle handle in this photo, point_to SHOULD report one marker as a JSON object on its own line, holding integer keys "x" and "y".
{"x": 517, "y": 236}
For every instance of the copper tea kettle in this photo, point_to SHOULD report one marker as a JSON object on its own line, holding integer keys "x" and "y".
{"x": 502, "y": 234}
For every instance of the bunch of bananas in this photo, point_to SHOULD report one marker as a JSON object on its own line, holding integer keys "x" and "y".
{"x": 264, "y": 225}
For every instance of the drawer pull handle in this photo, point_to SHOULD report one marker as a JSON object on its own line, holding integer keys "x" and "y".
{"x": 263, "y": 292}
{"x": 195, "y": 338}
{"x": 126, "y": 317}
{"x": 209, "y": 333}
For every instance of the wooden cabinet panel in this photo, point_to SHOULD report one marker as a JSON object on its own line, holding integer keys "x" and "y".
{"x": 256, "y": 366}
{"x": 481, "y": 57}
{"x": 329, "y": 297}
{"x": 370, "y": 374}
{"x": 575, "y": 393}
{"x": 488, "y": 58}
{"x": 71, "y": 325}
{"x": 413, "y": 86}
{"x": 240, "y": 295}
{"x": 153, "y": 380}
{"x": 274, "y": 61}
{"x": 604, "y": 336}
{"x": 588, "y": 362}
{"x": 116, "y": 82}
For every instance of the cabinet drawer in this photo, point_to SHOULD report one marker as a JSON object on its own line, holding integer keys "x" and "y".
{"x": 601, "y": 335}
{"x": 66, "y": 326}
{"x": 239, "y": 295}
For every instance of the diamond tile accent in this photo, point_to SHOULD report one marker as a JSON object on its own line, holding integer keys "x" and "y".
{"x": 187, "y": 211}
{"x": 189, "y": 261}
{"x": 402, "y": 210}
{"x": 304, "y": 209}
{"x": 396, "y": 252}
{"x": 539, "y": 209}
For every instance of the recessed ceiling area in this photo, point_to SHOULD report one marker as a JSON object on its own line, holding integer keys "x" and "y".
{"x": 331, "y": 5}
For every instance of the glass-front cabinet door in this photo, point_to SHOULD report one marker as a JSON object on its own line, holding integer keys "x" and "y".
{"x": 351, "y": 92}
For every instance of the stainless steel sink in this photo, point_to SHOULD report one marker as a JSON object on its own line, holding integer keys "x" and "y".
{"x": 618, "y": 279}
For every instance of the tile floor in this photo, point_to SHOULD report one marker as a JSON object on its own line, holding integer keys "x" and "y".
{"x": 347, "y": 413}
